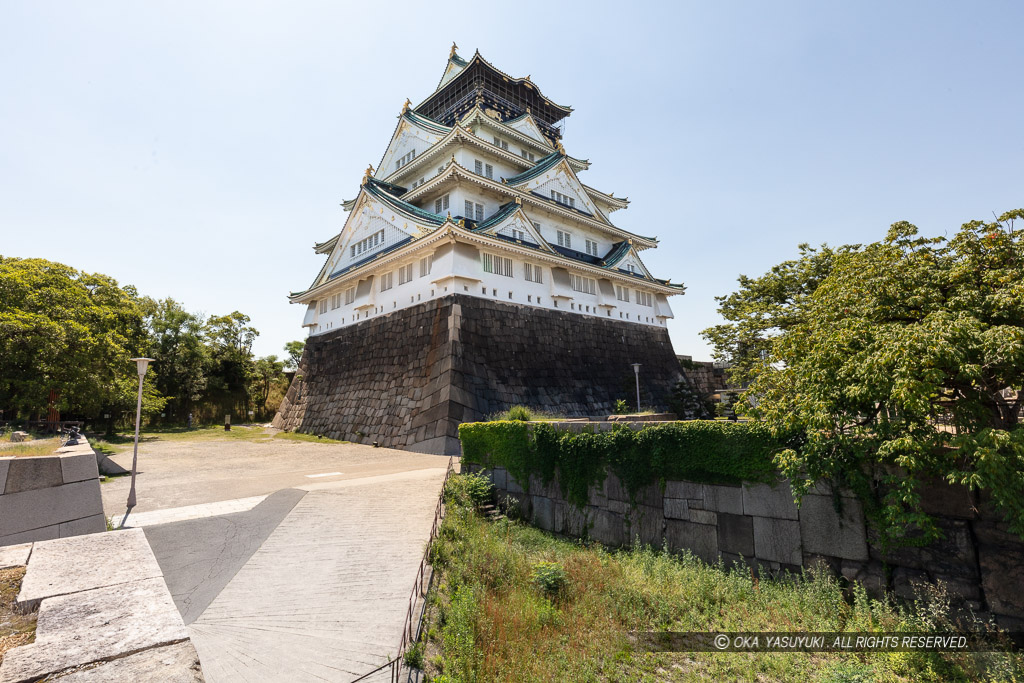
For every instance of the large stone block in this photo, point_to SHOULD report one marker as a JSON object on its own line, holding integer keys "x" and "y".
{"x": 543, "y": 513}
{"x": 96, "y": 625}
{"x": 646, "y": 524}
{"x": 45, "y": 507}
{"x": 79, "y": 467}
{"x": 683, "y": 489}
{"x": 762, "y": 500}
{"x": 178, "y": 663}
{"x": 736, "y": 534}
{"x": 777, "y": 540}
{"x": 608, "y": 527}
{"x": 723, "y": 499}
{"x": 80, "y": 563}
{"x": 700, "y": 539}
{"x": 44, "y": 533}
{"x": 676, "y": 508}
{"x": 5, "y": 463}
{"x": 87, "y": 525}
{"x": 827, "y": 531}
{"x": 14, "y": 555}
{"x": 30, "y": 474}
{"x": 1001, "y": 558}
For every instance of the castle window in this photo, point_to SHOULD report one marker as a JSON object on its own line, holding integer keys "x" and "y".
{"x": 533, "y": 273}
{"x": 417, "y": 183}
{"x": 564, "y": 239}
{"x": 474, "y": 211}
{"x": 405, "y": 274}
{"x": 480, "y": 168}
{"x": 527, "y": 155}
{"x": 501, "y": 143}
{"x": 622, "y": 293}
{"x": 563, "y": 199}
{"x": 441, "y": 204}
{"x": 350, "y": 295}
{"x": 499, "y": 265}
{"x": 335, "y": 301}
{"x": 405, "y": 160}
{"x": 386, "y": 280}
{"x": 426, "y": 263}
{"x": 644, "y": 298}
{"x": 323, "y": 306}
{"x": 591, "y": 247}
{"x": 585, "y": 285}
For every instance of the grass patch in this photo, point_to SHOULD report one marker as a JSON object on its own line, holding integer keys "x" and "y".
{"x": 515, "y": 603}
{"x": 16, "y": 629}
{"x": 524, "y": 414}
{"x": 29, "y": 449}
{"x": 118, "y": 443}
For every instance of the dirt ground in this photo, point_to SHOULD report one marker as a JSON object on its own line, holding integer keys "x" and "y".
{"x": 15, "y": 628}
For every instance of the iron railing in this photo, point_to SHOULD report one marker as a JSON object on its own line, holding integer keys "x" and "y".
{"x": 419, "y": 591}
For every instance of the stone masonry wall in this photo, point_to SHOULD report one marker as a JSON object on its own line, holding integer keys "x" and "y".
{"x": 50, "y": 496}
{"x": 979, "y": 560}
{"x": 407, "y": 379}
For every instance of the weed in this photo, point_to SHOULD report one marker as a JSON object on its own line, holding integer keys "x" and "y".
{"x": 549, "y": 577}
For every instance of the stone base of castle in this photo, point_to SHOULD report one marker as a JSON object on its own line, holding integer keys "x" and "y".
{"x": 408, "y": 379}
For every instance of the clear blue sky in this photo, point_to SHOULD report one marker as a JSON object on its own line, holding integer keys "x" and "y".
{"x": 198, "y": 149}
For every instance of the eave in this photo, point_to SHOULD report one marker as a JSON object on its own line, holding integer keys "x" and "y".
{"x": 455, "y": 171}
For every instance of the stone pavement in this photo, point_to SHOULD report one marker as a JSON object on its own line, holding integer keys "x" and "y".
{"x": 310, "y": 584}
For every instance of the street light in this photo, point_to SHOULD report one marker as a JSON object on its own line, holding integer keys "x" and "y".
{"x": 142, "y": 364}
{"x": 636, "y": 371}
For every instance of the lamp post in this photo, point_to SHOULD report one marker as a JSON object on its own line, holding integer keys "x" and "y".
{"x": 142, "y": 364}
{"x": 636, "y": 371}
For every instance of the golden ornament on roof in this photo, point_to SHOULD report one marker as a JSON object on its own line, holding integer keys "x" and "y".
{"x": 454, "y": 48}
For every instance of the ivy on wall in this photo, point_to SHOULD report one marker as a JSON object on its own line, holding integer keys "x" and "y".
{"x": 699, "y": 450}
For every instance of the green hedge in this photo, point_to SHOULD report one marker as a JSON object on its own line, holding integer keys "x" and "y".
{"x": 699, "y": 450}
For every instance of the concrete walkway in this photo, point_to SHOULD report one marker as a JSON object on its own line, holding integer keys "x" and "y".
{"x": 310, "y": 584}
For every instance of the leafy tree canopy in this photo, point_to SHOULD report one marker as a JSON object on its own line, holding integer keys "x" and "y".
{"x": 897, "y": 361}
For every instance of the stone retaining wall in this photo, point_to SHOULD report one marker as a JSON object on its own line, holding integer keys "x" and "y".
{"x": 409, "y": 378}
{"x": 50, "y": 496}
{"x": 979, "y": 560}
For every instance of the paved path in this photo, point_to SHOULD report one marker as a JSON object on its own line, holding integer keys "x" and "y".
{"x": 279, "y": 575}
{"x": 325, "y": 597}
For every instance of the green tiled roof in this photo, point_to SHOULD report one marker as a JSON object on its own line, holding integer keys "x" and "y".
{"x": 504, "y": 212}
{"x": 542, "y": 165}
{"x": 618, "y": 252}
{"x": 459, "y": 61}
{"x": 378, "y": 190}
{"x": 426, "y": 122}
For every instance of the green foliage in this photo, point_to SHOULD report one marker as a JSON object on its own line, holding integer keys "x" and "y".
{"x": 487, "y": 620}
{"x": 621, "y": 407}
{"x": 294, "y": 350}
{"x": 550, "y": 577}
{"x": 413, "y": 656}
{"x": 520, "y": 413}
{"x": 695, "y": 451}
{"x": 900, "y": 361}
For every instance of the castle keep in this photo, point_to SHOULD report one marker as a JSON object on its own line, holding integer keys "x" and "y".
{"x": 476, "y": 271}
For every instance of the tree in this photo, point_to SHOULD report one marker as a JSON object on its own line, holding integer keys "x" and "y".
{"x": 266, "y": 371}
{"x": 230, "y": 338}
{"x": 179, "y": 348}
{"x": 893, "y": 362}
{"x": 64, "y": 330}
{"x": 294, "y": 350}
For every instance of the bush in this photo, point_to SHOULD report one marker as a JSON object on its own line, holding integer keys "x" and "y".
{"x": 470, "y": 489}
{"x": 621, "y": 407}
{"x": 549, "y": 577}
{"x": 520, "y": 413}
{"x": 699, "y": 450}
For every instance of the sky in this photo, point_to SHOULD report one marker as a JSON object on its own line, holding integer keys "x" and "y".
{"x": 198, "y": 150}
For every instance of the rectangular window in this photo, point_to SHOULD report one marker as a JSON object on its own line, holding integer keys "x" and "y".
{"x": 489, "y": 171}
{"x": 441, "y": 204}
{"x": 335, "y": 301}
{"x": 533, "y": 273}
{"x": 644, "y": 298}
{"x": 474, "y": 212}
{"x": 323, "y": 306}
{"x": 585, "y": 285}
{"x": 564, "y": 239}
{"x": 563, "y": 199}
{"x": 426, "y": 263}
{"x": 591, "y": 247}
{"x": 621, "y": 293}
{"x": 365, "y": 245}
{"x": 499, "y": 265}
{"x": 478, "y": 167}
{"x": 527, "y": 155}
{"x": 405, "y": 274}
{"x": 386, "y": 281}
{"x": 500, "y": 143}
{"x": 405, "y": 160}
{"x": 350, "y": 295}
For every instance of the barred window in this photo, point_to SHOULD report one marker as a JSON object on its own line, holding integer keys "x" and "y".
{"x": 533, "y": 273}
{"x": 426, "y": 263}
{"x": 585, "y": 285}
{"x": 499, "y": 265}
{"x": 386, "y": 280}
